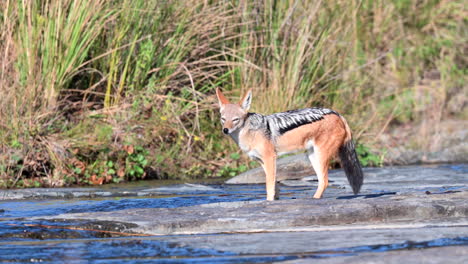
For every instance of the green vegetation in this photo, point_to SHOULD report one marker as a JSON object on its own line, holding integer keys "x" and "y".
{"x": 96, "y": 91}
{"x": 367, "y": 157}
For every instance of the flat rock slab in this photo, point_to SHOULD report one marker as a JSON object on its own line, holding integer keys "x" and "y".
{"x": 339, "y": 239}
{"x": 446, "y": 255}
{"x": 298, "y": 168}
{"x": 291, "y": 167}
{"x": 258, "y": 216}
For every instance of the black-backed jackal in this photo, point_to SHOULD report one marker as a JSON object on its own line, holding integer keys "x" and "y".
{"x": 320, "y": 131}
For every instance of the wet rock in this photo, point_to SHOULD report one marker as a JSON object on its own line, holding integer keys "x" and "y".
{"x": 446, "y": 255}
{"x": 58, "y": 229}
{"x": 44, "y": 235}
{"x": 400, "y": 179}
{"x": 183, "y": 188}
{"x": 35, "y": 193}
{"x": 337, "y": 241}
{"x": 291, "y": 167}
{"x": 400, "y": 210}
{"x": 389, "y": 194}
{"x": 284, "y": 214}
{"x": 306, "y": 181}
{"x": 105, "y": 226}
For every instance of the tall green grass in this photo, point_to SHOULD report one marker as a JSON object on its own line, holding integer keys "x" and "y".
{"x": 101, "y": 91}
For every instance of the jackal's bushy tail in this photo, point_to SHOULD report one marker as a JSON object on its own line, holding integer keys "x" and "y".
{"x": 351, "y": 165}
{"x": 350, "y": 161}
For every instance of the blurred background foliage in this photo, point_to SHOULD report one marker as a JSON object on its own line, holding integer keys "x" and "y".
{"x": 96, "y": 91}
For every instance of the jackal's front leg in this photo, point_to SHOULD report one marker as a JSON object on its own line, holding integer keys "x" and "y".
{"x": 269, "y": 165}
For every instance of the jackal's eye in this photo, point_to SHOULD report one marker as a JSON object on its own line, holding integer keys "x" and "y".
{"x": 235, "y": 120}
{"x": 223, "y": 119}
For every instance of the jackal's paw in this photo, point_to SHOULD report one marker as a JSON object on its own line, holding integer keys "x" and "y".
{"x": 272, "y": 197}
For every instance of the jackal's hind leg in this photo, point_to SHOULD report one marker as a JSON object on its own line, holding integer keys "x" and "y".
{"x": 320, "y": 165}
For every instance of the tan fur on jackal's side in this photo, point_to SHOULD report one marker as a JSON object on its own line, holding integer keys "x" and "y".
{"x": 320, "y": 131}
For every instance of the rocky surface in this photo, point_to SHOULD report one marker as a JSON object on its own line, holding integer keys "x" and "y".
{"x": 446, "y": 255}
{"x": 291, "y": 167}
{"x": 261, "y": 216}
{"x": 413, "y": 193}
{"x": 315, "y": 241}
{"x": 301, "y": 173}
{"x": 403, "y": 214}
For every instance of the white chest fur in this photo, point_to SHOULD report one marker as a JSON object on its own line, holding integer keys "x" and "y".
{"x": 244, "y": 146}
{"x": 254, "y": 154}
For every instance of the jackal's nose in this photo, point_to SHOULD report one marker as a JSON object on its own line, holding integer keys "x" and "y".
{"x": 225, "y": 131}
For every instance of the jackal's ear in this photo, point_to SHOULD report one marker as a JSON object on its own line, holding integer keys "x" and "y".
{"x": 221, "y": 99}
{"x": 246, "y": 100}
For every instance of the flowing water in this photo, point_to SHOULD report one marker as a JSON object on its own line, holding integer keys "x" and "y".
{"x": 23, "y": 240}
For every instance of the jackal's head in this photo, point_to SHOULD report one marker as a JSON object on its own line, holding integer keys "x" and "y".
{"x": 233, "y": 115}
